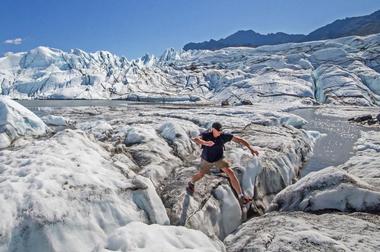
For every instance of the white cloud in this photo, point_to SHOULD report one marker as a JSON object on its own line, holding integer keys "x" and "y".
{"x": 15, "y": 41}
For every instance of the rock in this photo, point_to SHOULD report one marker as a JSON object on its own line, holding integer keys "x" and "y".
{"x": 297, "y": 231}
{"x": 378, "y": 118}
{"x": 246, "y": 102}
{"x": 363, "y": 118}
{"x": 372, "y": 121}
{"x": 225, "y": 103}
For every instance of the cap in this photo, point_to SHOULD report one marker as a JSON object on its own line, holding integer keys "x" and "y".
{"x": 217, "y": 126}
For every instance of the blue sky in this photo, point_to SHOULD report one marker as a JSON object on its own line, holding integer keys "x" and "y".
{"x": 134, "y": 27}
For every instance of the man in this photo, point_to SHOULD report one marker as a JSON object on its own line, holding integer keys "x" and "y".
{"x": 212, "y": 155}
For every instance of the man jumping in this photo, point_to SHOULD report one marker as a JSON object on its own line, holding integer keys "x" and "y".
{"x": 212, "y": 155}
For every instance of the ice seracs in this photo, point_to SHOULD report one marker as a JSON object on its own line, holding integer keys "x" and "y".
{"x": 337, "y": 71}
{"x": 17, "y": 121}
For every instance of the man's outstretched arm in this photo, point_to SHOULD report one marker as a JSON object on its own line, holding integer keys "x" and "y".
{"x": 240, "y": 140}
{"x": 200, "y": 141}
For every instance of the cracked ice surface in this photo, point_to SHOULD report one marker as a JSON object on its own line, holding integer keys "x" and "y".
{"x": 352, "y": 186}
{"x": 366, "y": 162}
{"x": 65, "y": 193}
{"x": 328, "y": 189}
{"x": 109, "y": 166}
{"x": 298, "y": 231}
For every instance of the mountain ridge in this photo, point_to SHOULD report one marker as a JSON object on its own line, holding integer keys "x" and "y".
{"x": 350, "y": 26}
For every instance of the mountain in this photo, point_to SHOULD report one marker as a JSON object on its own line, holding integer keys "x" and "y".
{"x": 362, "y": 26}
{"x": 246, "y": 38}
{"x": 338, "y": 71}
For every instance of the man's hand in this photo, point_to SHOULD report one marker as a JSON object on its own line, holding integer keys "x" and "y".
{"x": 208, "y": 143}
{"x": 254, "y": 152}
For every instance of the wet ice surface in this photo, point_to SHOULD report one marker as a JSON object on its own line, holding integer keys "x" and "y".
{"x": 336, "y": 147}
{"x": 83, "y": 103}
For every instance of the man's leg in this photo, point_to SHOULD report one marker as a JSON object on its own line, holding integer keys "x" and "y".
{"x": 205, "y": 168}
{"x": 234, "y": 181}
{"x": 197, "y": 177}
{"x": 225, "y": 167}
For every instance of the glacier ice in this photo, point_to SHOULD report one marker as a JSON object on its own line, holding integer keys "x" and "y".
{"x": 338, "y": 71}
{"x": 16, "y": 121}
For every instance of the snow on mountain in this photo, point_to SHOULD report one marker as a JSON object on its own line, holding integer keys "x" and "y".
{"x": 338, "y": 71}
{"x": 361, "y": 26}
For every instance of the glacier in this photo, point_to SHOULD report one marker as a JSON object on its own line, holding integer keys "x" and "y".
{"x": 17, "y": 121}
{"x": 332, "y": 200}
{"x": 336, "y": 71}
{"x": 86, "y": 185}
{"x": 112, "y": 178}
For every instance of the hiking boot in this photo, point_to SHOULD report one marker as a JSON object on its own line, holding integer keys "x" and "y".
{"x": 190, "y": 188}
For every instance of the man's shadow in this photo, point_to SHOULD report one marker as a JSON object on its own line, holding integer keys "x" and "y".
{"x": 185, "y": 208}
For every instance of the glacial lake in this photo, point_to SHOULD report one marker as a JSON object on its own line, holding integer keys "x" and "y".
{"x": 336, "y": 147}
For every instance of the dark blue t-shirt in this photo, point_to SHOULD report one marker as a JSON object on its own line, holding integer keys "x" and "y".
{"x": 215, "y": 152}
